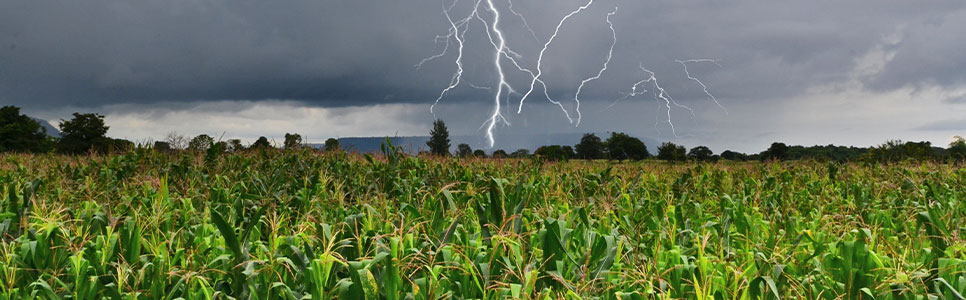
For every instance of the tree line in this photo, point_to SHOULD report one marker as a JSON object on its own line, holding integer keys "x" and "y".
{"x": 621, "y": 146}
{"x": 86, "y": 133}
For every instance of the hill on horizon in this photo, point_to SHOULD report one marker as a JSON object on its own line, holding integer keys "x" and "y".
{"x": 51, "y": 130}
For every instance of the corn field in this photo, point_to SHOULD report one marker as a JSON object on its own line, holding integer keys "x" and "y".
{"x": 305, "y": 225}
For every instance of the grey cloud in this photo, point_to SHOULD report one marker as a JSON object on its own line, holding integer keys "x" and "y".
{"x": 928, "y": 54}
{"x": 945, "y": 125}
{"x": 103, "y": 52}
{"x": 343, "y": 53}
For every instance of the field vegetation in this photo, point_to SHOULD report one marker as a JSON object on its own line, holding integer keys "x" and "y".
{"x": 300, "y": 224}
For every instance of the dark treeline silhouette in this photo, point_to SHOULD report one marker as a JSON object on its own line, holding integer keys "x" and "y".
{"x": 620, "y": 146}
{"x": 20, "y": 133}
{"x": 86, "y": 133}
{"x": 83, "y": 133}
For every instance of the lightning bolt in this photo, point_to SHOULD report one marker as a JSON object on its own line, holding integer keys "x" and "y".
{"x": 684, "y": 63}
{"x": 525, "y": 24}
{"x": 668, "y": 100}
{"x": 504, "y": 51}
{"x": 454, "y": 33}
{"x": 661, "y": 94}
{"x": 633, "y": 93}
{"x": 540, "y": 62}
{"x": 610, "y": 54}
{"x": 501, "y": 51}
{"x": 479, "y": 87}
{"x": 506, "y": 59}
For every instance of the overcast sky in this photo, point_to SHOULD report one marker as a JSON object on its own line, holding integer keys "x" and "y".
{"x": 803, "y": 72}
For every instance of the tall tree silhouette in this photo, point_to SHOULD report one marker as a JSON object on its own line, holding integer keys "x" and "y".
{"x": 439, "y": 139}
{"x": 83, "y": 133}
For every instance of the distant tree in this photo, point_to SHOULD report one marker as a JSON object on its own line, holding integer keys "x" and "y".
{"x": 701, "y": 153}
{"x": 82, "y": 134}
{"x": 20, "y": 133}
{"x": 293, "y": 140}
{"x": 216, "y": 150}
{"x": 895, "y": 150}
{"x": 670, "y": 152}
{"x": 825, "y": 153}
{"x": 235, "y": 145}
{"x": 569, "y": 151}
{"x": 119, "y": 145}
{"x": 554, "y": 152}
{"x": 201, "y": 143}
{"x": 921, "y": 150}
{"x": 889, "y": 151}
{"x": 736, "y": 156}
{"x": 621, "y": 146}
{"x": 957, "y": 149}
{"x": 261, "y": 143}
{"x": 331, "y": 144}
{"x": 219, "y": 147}
{"x": 590, "y": 147}
{"x": 439, "y": 139}
{"x": 499, "y": 153}
{"x": 777, "y": 151}
{"x": 479, "y": 153}
{"x": 176, "y": 140}
{"x": 520, "y": 153}
{"x": 463, "y": 150}
{"x": 161, "y": 146}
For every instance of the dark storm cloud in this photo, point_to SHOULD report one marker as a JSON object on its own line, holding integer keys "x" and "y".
{"x": 928, "y": 53}
{"x": 349, "y": 53}
{"x": 101, "y": 52}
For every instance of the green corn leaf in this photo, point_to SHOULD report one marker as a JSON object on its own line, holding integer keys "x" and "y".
{"x": 755, "y": 289}
{"x": 228, "y": 233}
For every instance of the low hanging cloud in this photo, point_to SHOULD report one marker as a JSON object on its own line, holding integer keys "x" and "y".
{"x": 953, "y": 125}
{"x": 956, "y": 100}
{"x": 249, "y": 120}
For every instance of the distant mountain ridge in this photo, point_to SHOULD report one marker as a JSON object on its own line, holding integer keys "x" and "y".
{"x": 508, "y": 143}
{"x": 51, "y": 130}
